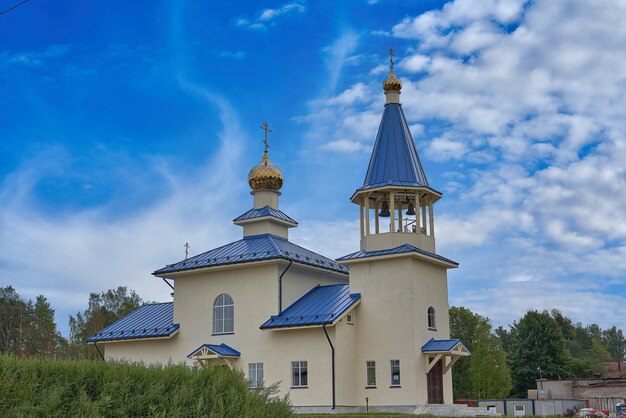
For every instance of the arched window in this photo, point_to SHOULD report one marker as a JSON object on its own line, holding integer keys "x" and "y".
{"x": 223, "y": 315}
{"x": 431, "y": 318}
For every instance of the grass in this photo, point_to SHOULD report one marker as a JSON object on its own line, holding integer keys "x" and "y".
{"x": 59, "y": 388}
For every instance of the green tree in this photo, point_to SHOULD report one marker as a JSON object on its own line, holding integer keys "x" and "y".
{"x": 488, "y": 369}
{"x": 614, "y": 341}
{"x": 103, "y": 309}
{"x": 27, "y": 328}
{"x": 13, "y": 321}
{"x": 43, "y": 337}
{"x": 485, "y": 374}
{"x": 536, "y": 342}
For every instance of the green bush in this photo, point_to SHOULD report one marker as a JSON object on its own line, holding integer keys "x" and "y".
{"x": 40, "y": 387}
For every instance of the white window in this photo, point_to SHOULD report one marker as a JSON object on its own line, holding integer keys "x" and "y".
{"x": 431, "y": 319}
{"x": 395, "y": 372}
{"x": 299, "y": 374}
{"x": 350, "y": 319}
{"x": 370, "y": 376}
{"x": 255, "y": 375}
{"x": 519, "y": 411}
{"x": 223, "y": 315}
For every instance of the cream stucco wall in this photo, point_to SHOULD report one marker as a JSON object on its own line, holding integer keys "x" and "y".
{"x": 391, "y": 324}
{"x": 254, "y": 289}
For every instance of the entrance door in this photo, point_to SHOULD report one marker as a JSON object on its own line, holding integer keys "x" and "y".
{"x": 434, "y": 381}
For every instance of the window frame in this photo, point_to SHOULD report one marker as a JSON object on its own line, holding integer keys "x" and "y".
{"x": 431, "y": 318}
{"x": 223, "y": 304}
{"x": 253, "y": 375}
{"x": 370, "y": 365}
{"x": 299, "y": 368}
{"x": 395, "y": 363}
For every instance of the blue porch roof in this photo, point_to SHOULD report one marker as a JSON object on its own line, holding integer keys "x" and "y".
{"x": 221, "y": 350}
{"x": 321, "y": 305}
{"x": 405, "y": 248}
{"x": 265, "y": 211}
{"x": 254, "y": 248}
{"x": 442, "y": 345}
{"x": 154, "y": 320}
{"x": 394, "y": 160}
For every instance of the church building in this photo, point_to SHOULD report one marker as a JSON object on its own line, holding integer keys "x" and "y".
{"x": 368, "y": 330}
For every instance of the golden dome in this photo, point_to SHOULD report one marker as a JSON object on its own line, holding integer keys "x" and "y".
{"x": 392, "y": 83}
{"x": 265, "y": 175}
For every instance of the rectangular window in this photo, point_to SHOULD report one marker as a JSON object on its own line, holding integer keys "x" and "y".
{"x": 395, "y": 372}
{"x": 350, "y": 319}
{"x": 370, "y": 374}
{"x": 299, "y": 374}
{"x": 255, "y": 375}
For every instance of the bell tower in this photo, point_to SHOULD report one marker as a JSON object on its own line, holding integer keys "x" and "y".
{"x": 395, "y": 201}
{"x": 402, "y": 280}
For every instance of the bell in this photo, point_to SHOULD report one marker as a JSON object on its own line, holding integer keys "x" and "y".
{"x": 411, "y": 210}
{"x": 384, "y": 211}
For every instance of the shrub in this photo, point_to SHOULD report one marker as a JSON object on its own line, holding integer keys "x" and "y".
{"x": 39, "y": 387}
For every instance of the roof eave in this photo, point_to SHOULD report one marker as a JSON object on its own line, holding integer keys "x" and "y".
{"x": 451, "y": 264}
{"x": 436, "y": 194}
{"x": 271, "y": 218}
{"x": 122, "y": 340}
{"x": 173, "y": 274}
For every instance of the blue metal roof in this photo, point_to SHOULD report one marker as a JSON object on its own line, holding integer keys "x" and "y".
{"x": 221, "y": 350}
{"x": 394, "y": 160}
{"x": 442, "y": 345}
{"x": 148, "y": 321}
{"x": 321, "y": 305}
{"x": 254, "y": 248}
{"x": 405, "y": 248}
{"x": 265, "y": 211}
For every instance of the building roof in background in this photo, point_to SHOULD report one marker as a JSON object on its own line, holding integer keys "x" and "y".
{"x": 322, "y": 305}
{"x": 153, "y": 320}
{"x": 394, "y": 160}
{"x": 254, "y": 248}
{"x": 263, "y": 212}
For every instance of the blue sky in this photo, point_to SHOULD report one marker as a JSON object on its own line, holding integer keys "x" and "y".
{"x": 129, "y": 129}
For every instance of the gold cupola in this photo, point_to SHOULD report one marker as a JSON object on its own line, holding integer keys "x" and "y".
{"x": 265, "y": 176}
{"x": 392, "y": 84}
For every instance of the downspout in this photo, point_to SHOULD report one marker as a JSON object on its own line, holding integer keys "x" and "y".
{"x": 95, "y": 344}
{"x": 332, "y": 349}
{"x": 168, "y": 283}
{"x": 280, "y": 288}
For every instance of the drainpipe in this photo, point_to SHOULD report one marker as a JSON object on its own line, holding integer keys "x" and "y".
{"x": 168, "y": 283}
{"x": 332, "y": 349}
{"x": 280, "y": 288}
{"x": 95, "y": 344}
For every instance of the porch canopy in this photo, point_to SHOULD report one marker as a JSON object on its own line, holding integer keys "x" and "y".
{"x": 207, "y": 352}
{"x": 448, "y": 350}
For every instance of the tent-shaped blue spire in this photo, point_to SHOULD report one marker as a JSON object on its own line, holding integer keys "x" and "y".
{"x": 394, "y": 160}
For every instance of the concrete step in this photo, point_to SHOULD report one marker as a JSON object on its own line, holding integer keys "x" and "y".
{"x": 447, "y": 410}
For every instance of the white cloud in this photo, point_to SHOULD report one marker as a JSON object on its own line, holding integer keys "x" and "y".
{"x": 525, "y": 105}
{"x": 337, "y": 54}
{"x": 266, "y": 17}
{"x": 67, "y": 255}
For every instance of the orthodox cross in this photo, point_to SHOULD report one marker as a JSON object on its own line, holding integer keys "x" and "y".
{"x": 391, "y": 55}
{"x": 266, "y": 128}
{"x": 187, "y": 247}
